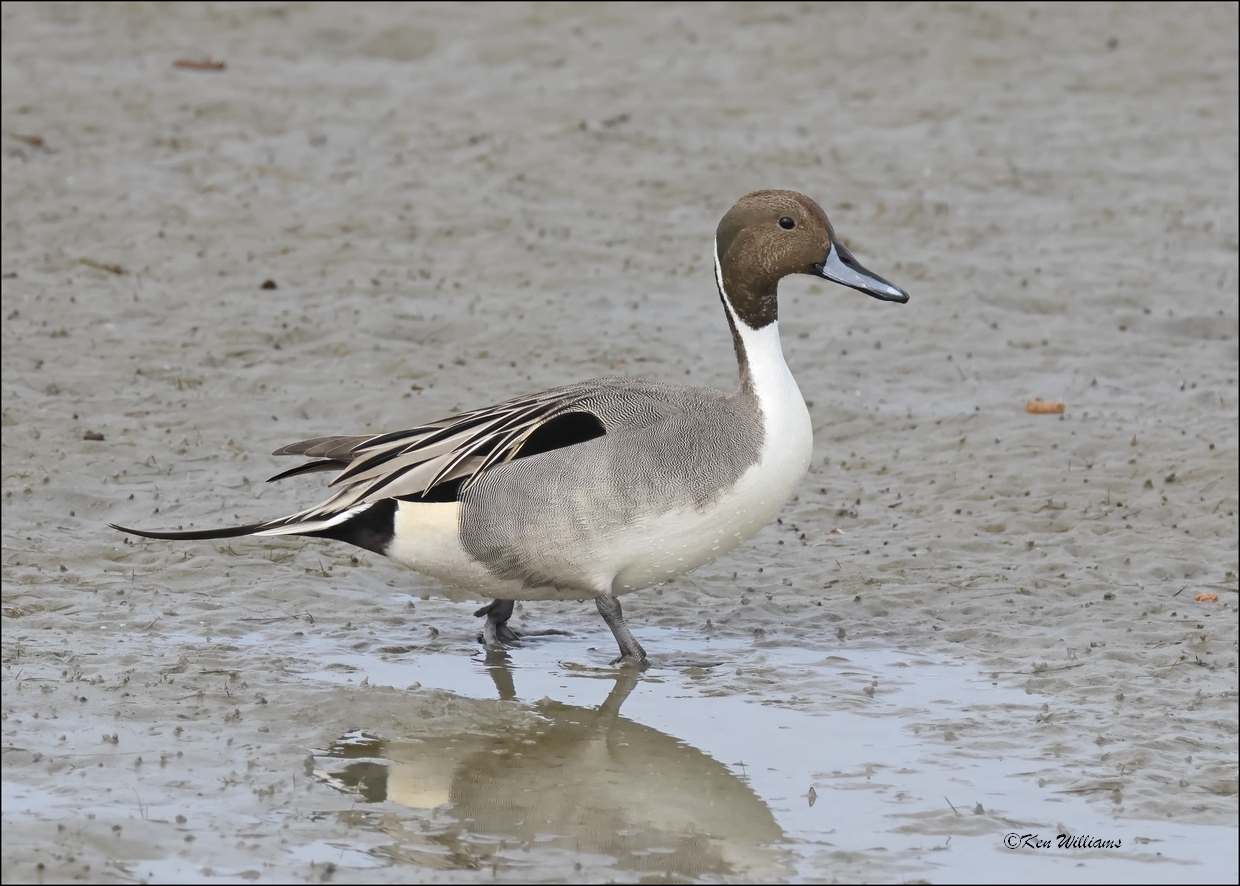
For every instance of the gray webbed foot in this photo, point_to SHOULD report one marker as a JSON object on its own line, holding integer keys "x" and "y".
{"x": 496, "y": 634}
{"x": 629, "y": 661}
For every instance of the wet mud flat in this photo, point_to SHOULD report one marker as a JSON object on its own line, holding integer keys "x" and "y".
{"x": 970, "y": 621}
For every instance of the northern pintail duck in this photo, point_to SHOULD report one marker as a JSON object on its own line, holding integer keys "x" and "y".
{"x": 602, "y": 487}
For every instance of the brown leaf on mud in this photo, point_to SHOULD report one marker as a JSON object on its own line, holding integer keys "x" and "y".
{"x": 35, "y": 141}
{"x": 1038, "y": 406}
{"x": 1206, "y": 597}
{"x": 200, "y": 64}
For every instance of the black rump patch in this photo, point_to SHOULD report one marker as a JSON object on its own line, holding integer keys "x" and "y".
{"x": 568, "y": 429}
{"x": 372, "y": 529}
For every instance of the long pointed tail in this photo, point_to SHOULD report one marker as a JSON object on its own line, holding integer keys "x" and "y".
{"x": 229, "y": 532}
{"x": 370, "y": 526}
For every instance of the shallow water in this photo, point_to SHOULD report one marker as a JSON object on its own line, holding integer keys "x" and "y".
{"x": 712, "y": 782}
{"x": 698, "y": 767}
{"x": 725, "y": 759}
{"x": 461, "y": 203}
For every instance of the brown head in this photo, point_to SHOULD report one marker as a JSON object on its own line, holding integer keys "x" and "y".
{"x": 768, "y": 235}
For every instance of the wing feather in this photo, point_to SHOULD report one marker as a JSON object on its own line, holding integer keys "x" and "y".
{"x": 398, "y": 455}
{"x": 336, "y": 447}
{"x": 414, "y": 482}
{"x": 309, "y": 468}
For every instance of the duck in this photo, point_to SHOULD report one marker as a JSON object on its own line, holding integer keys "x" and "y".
{"x": 599, "y": 488}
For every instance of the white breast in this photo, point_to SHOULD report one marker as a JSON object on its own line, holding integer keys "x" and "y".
{"x": 672, "y": 543}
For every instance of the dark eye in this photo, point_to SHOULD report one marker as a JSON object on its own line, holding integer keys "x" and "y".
{"x": 787, "y": 224}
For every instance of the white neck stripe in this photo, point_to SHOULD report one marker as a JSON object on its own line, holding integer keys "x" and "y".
{"x": 763, "y": 354}
{"x": 719, "y": 279}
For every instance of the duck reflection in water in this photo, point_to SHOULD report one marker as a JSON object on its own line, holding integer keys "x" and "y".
{"x": 582, "y": 780}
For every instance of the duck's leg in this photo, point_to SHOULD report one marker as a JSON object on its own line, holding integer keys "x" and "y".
{"x": 495, "y": 633}
{"x": 631, "y": 652}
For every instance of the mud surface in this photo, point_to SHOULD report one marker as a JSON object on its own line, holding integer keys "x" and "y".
{"x": 969, "y": 621}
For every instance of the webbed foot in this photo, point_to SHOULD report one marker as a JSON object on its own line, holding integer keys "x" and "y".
{"x": 630, "y": 661}
{"x": 496, "y": 635}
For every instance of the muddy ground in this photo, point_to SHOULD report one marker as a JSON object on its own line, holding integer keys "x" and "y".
{"x": 374, "y": 216}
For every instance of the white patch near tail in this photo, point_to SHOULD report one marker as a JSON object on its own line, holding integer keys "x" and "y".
{"x": 427, "y": 538}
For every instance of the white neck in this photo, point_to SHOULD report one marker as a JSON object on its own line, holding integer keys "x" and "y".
{"x": 787, "y": 430}
{"x": 768, "y": 373}
{"x": 764, "y": 354}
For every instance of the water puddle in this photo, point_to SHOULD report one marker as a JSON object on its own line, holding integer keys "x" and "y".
{"x": 774, "y": 763}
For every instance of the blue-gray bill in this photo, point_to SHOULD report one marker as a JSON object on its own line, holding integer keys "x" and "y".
{"x": 840, "y": 267}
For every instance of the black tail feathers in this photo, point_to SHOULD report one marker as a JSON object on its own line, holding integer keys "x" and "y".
{"x": 230, "y": 532}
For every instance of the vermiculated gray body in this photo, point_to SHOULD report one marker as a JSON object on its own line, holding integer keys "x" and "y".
{"x": 552, "y": 519}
